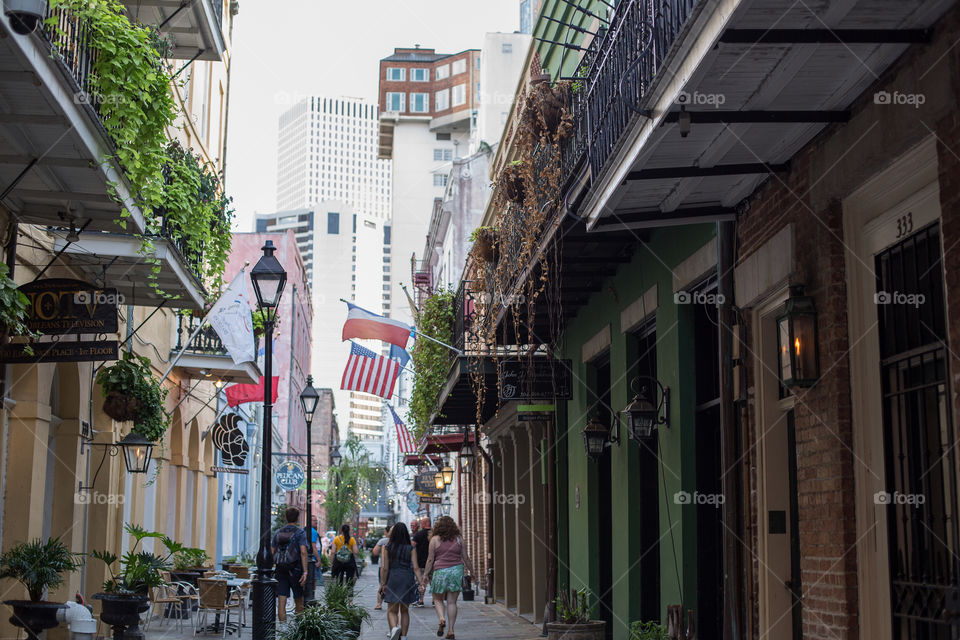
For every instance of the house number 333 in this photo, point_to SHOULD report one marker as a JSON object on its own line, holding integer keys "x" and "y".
{"x": 904, "y": 224}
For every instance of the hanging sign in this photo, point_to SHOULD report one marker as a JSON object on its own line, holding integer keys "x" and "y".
{"x": 61, "y": 305}
{"x": 426, "y": 482}
{"x": 289, "y": 475}
{"x": 430, "y": 500}
{"x": 319, "y": 484}
{"x": 227, "y": 437}
{"x": 522, "y": 380}
{"x": 65, "y": 351}
{"x": 413, "y": 501}
{"x": 236, "y": 470}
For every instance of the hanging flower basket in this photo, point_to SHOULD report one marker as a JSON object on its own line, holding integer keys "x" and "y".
{"x": 120, "y": 407}
{"x": 511, "y": 181}
{"x": 486, "y": 244}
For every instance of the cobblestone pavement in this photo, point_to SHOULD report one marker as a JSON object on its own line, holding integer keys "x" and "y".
{"x": 475, "y": 620}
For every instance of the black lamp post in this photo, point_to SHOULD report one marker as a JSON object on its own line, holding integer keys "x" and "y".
{"x": 268, "y": 279}
{"x": 309, "y": 398}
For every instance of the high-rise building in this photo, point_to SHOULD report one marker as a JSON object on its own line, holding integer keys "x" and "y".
{"x": 346, "y": 256}
{"x": 328, "y": 151}
{"x": 528, "y": 14}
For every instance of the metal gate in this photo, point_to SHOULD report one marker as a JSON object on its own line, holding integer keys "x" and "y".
{"x": 920, "y": 478}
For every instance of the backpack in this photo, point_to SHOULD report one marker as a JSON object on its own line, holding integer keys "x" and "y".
{"x": 288, "y": 555}
{"x": 343, "y": 553}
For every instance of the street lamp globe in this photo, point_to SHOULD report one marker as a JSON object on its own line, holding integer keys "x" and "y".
{"x": 335, "y": 457}
{"x": 309, "y": 399}
{"x": 268, "y": 278}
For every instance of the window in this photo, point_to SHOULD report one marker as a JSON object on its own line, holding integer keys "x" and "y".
{"x": 333, "y": 223}
{"x": 442, "y": 155}
{"x": 506, "y": 47}
{"x": 396, "y": 74}
{"x": 395, "y": 101}
{"x": 420, "y": 102}
{"x": 443, "y": 71}
{"x": 386, "y": 237}
{"x": 459, "y": 95}
{"x": 459, "y": 66}
{"x": 443, "y": 136}
{"x": 419, "y": 75}
{"x": 439, "y": 180}
{"x": 442, "y": 100}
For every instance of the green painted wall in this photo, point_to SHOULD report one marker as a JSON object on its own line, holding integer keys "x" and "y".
{"x": 579, "y": 528}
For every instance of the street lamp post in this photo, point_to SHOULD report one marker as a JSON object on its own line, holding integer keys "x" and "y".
{"x": 268, "y": 279}
{"x": 309, "y": 398}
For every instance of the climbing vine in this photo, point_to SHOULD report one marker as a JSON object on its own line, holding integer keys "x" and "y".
{"x": 431, "y": 361}
{"x": 179, "y": 196}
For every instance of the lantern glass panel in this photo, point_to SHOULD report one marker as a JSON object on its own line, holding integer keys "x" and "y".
{"x": 137, "y": 457}
{"x": 438, "y": 481}
{"x": 786, "y": 352}
{"x": 804, "y": 348}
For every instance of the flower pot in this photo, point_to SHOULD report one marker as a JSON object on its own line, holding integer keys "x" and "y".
{"x": 513, "y": 186}
{"x": 120, "y": 407}
{"x": 487, "y": 246}
{"x": 593, "y": 630}
{"x": 122, "y": 612}
{"x": 34, "y": 617}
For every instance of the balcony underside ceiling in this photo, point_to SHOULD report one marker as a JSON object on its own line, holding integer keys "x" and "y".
{"x": 217, "y": 367}
{"x": 457, "y": 403}
{"x": 44, "y": 122}
{"x": 779, "y": 96}
{"x": 194, "y": 26}
{"x": 114, "y": 260}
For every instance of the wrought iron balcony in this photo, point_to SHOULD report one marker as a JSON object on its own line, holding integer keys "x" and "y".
{"x": 207, "y": 341}
{"x": 71, "y": 42}
{"x": 614, "y": 76}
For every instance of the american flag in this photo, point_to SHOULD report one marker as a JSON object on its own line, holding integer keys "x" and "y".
{"x": 407, "y": 444}
{"x": 370, "y": 373}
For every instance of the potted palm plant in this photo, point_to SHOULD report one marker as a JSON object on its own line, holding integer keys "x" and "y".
{"x": 125, "y": 593}
{"x": 573, "y": 618}
{"x": 39, "y": 566}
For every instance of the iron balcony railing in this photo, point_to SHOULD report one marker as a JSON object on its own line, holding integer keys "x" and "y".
{"x": 207, "y": 341}
{"x": 614, "y": 76}
{"x": 70, "y": 40}
{"x": 191, "y": 258}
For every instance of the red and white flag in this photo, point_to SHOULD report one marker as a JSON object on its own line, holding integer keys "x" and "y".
{"x": 404, "y": 438}
{"x": 368, "y": 325}
{"x": 370, "y": 373}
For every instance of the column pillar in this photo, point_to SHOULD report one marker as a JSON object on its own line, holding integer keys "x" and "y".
{"x": 524, "y": 538}
{"x": 537, "y": 510}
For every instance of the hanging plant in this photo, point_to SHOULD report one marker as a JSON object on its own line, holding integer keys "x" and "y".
{"x": 431, "y": 361}
{"x": 511, "y": 181}
{"x": 485, "y": 241}
{"x": 132, "y": 394}
{"x": 13, "y": 307}
{"x": 548, "y": 103}
{"x": 179, "y": 195}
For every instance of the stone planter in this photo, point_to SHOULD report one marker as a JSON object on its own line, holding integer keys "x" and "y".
{"x": 593, "y": 630}
{"x": 123, "y": 614}
{"x": 34, "y": 617}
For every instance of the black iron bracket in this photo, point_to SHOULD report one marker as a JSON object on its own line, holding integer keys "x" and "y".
{"x": 112, "y": 449}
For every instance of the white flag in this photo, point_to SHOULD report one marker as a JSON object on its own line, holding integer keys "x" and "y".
{"x": 232, "y": 321}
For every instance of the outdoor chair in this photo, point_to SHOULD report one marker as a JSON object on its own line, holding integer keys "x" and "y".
{"x": 215, "y": 598}
{"x": 164, "y": 598}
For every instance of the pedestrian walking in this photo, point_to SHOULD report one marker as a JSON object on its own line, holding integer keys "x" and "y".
{"x": 344, "y": 556}
{"x": 375, "y": 554}
{"x": 422, "y": 541}
{"x": 315, "y": 551}
{"x": 399, "y": 576}
{"x": 289, "y": 548}
{"x": 447, "y": 563}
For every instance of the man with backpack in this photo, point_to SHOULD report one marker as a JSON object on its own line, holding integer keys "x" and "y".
{"x": 289, "y": 549}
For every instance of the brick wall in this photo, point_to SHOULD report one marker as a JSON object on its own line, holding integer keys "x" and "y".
{"x": 810, "y": 196}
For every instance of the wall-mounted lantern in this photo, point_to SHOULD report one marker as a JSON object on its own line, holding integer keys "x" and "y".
{"x": 596, "y": 438}
{"x": 642, "y": 416}
{"x": 797, "y": 337}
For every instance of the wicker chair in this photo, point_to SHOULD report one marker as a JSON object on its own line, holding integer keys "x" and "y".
{"x": 166, "y": 600}
{"x": 215, "y": 598}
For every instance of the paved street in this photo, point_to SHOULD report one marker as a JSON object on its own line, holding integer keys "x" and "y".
{"x": 475, "y": 620}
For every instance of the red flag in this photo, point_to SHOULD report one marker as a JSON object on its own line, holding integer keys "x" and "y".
{"x": 240, "y": 393}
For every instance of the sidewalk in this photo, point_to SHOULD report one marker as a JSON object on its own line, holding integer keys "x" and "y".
{"x": 475, "y": 620}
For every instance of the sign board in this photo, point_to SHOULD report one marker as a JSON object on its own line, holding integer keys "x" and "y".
{"x": 61, "y": 305}
{"x": 430, "y": 500}
{"x": 535, "y": 412}
{"x": 523, "y": 381}
{"x": 228, "y": 438}
{"x": 413, "y": 501}
{"x": 426, "y": 482}
{"x": 319, "y": 484}
{"x": 63, "y": 351}
{"x": 236, "y": 470}
{"x": 289, "y": 475}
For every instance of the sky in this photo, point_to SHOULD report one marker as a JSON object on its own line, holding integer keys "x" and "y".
{"x": 284, "y": 50}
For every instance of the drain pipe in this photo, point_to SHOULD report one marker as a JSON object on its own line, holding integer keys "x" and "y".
{"x": 79, "y": 620}
{"x": 731, "y": 444}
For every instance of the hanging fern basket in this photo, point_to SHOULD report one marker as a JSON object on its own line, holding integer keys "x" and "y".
{"x": 121, "y": 407}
